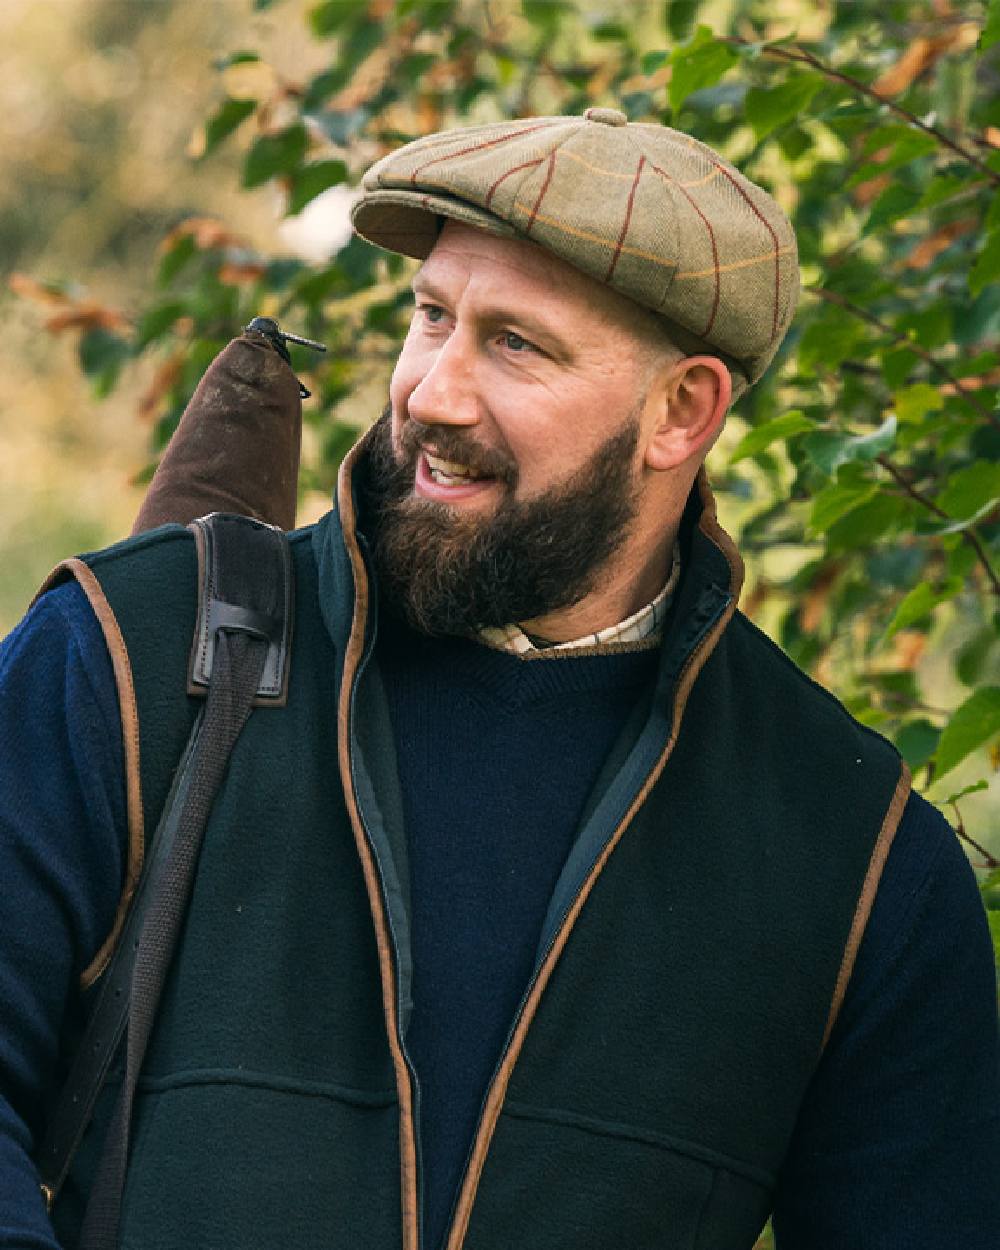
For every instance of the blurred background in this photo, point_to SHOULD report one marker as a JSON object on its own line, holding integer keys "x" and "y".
{"x": 99, "y": 103}
{"x": 136, "y": 135}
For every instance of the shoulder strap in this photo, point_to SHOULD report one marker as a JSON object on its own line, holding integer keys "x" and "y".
{"x": 240, "y": 657}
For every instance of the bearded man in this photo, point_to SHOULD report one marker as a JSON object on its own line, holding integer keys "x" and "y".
{"x": 556, "y": 909}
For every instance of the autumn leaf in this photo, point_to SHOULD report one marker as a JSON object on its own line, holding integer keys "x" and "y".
{"x": 164, "y": 378}
{"x": 205, "y": 232}
{"x": 921, "y": 54}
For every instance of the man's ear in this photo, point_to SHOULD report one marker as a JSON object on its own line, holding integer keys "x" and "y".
{"x": 693, "y": 404}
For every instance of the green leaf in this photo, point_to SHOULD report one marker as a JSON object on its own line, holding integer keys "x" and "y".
{"x": 941, "y": 526}
{"x": 328, "y": 18}
{"x": 102, "y": 355}
{"x": 829, "y": 340}
{"x": 762, "y": 436}
{"x": 544, "y": 15}
{"x": 931, "y": 326}
{"x": 989, "y": 889}
{"x": 941, "y": 189}
{"x": 896, "y": 201}
{"x": 699, "y": 63}
{"x": 609, "y": 32}
{"x": 972, "y": 656}
{"x": 836, "y": 500}
{"x": 914, "y": 402}
{"x": 993, "y": 919}
{"x": 984, "y": 362}
{"x": 991, "y": 31}
{"x": 224, "y": 121}
{"x": 975, "y": 723}
{"x": 829, "y": 449}
{"x": 904, "y": 143}
{"x": 312, "y": 180}
{"x": 243, "y": 57}
{"x": 413, "y": 67}
{"x": 987, "y": 266}
{"x": 897, "y": 365}
{"x": 680, "y": 15}
{"x": 652, "y": 61}
{"x": 975, "y": 788}
{"x": 917, "y": 741}
{"x": 770, "y": 107}
{"x": 280, "y": 153}
{"x": 970, "y": 490}
{"x": 920, "y": 602}
{"x": 961, "y": 562}
{"x": 794, "y": 142}
{"x": 157, "y": 320}
{"x": 175, "y": 259}
{"x": 867, "y": 523}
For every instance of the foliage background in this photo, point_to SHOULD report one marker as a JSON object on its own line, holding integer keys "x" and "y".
{"x": 172, "y": 168}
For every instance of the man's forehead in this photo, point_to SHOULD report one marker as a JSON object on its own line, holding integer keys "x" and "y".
{"x": 518, "y": 267}
{"x": 464, "y": 248}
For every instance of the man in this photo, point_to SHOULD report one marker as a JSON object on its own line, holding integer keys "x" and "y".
{"x": 556, "y": 908}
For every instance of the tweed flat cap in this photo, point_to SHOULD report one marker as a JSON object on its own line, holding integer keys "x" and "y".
{"x": 648, "y": 210}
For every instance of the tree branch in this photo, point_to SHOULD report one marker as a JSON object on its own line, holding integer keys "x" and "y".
{"x": 990, "y": 861}
{"x": 928, "y": 357}
{"x": 800, "y": 55}
{"x": 969, "y": 535}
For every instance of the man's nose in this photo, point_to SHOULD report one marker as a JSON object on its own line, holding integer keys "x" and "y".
{"x": 447, "y": 393}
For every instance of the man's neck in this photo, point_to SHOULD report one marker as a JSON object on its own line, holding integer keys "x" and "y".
{"x": 617, "y": 596}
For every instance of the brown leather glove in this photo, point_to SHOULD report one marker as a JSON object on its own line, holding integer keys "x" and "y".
{"x": 237, "y": 446}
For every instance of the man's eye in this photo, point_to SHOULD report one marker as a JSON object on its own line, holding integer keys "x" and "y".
{"x": 515, "y": 343}
{"x": 433, "y": 313}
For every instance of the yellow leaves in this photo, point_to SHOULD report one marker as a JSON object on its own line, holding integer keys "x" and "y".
{"x": 817, "y": 596}
{"x": 929, "y": 248}
{"x": 68, "y": 313}
{"x": 205, "y": 232}
{"x": 241, "y": 273}
{"x": 922, "y": 54}
{"x": 167, "y": 373}
{"x": 250, "y": 80}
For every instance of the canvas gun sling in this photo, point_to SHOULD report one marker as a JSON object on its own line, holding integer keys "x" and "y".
{"x": 239, "y": 657}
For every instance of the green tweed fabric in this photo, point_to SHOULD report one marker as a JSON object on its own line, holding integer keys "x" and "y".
{"x": 648, "y": 210}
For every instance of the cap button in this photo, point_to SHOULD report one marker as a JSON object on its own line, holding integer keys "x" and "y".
{"x": 607, "y": 117}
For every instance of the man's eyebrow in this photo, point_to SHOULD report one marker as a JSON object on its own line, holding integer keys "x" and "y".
{"x": 534, "y": 328}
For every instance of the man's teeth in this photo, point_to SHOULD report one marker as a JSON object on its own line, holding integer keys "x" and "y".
{"x": 448, "y": 472}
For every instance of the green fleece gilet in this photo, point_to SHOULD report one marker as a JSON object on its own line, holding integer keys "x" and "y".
{"x": 690, "y": 965}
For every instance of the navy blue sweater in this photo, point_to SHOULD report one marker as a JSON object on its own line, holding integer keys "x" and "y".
{"x": 494, "y": 779}
{"x": 898, "y": 1141}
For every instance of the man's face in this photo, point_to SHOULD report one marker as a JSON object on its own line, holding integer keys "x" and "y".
{"x": 508, "y": 470}
{"x": 518, "y": 366}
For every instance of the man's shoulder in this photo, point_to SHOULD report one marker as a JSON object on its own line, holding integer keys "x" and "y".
{"x": 157, "y": 564}
{"x": 779, "y": 672}
{"x": 783, "y": 710}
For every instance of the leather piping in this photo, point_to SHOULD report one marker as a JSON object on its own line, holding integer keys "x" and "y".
{"x": 867, "y": 897}
{"x": 91, "y": 587}
{"x": 496, "y": 1094}
{"x": 355, "y": 646}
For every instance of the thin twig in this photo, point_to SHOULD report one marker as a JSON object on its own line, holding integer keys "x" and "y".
{"x": 928, "y": 357}
{"x": 970, "y": 535}
{"x": 991, "y": 861}
{"x": 803, "y": 57}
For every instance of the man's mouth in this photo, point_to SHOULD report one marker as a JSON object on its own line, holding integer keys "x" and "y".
{"x": 451, "y": 472}
{"x": 449, "y": 481}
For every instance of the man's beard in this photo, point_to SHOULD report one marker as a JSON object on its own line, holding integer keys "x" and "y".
{"x": 452, "y": 573}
